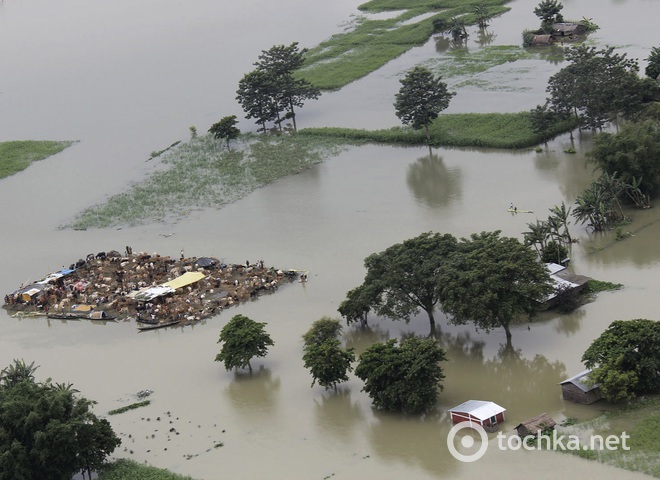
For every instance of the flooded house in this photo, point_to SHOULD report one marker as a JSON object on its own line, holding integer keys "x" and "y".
{"x": 578, "y": 389}
{"x": 484, "y": 413}
{"x": 535, "y": 425}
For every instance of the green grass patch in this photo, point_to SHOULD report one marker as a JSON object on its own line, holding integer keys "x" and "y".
{"x": 18, "y": 155}
{"x": 491, "y": 130}
{"x": 595, "y": 286}
{"x": 130, "y": 470}
{"x": 641, "y": 422}
{"x": 132, "y": 406}
{"x": 202, "y": 173}
{"x": 368, "y": 44}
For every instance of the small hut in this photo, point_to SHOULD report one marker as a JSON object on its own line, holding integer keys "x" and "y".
{"x": 577, "y": 389}
{"x": 568, "y": 29}
{"x": 535, "y": 425}
{"x": 480, "y": 412}
{"x": 542, "y": 40}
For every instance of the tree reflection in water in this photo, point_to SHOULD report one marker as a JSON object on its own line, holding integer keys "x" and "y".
{"x": 432, "y": 183}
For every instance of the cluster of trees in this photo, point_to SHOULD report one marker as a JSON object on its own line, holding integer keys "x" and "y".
{"x": 625, "y": 359}
{"x": 488, "y": 280}
{"x": 549, "y": 13}
{"x": 47, "y": 430}
{"x": 272, "y": 91}
{"x": 402, "y": 378}
{"x": 595, "y": 88}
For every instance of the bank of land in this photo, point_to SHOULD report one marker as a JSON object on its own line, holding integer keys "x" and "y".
{"x": 19, "y": 154}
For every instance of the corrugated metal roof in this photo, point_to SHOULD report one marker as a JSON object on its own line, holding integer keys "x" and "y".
{"x": 480, "y": 409}
{"x": 579, "y": 381}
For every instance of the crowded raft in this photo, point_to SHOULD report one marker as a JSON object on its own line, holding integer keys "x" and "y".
{"x": 154, "y": 290}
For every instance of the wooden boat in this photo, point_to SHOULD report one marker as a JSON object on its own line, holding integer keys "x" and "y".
{"x": 513, "y": 210}
{"x": 65, "y": 316}
{"x": 158, "y": 325}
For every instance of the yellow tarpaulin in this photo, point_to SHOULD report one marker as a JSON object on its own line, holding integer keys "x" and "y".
{"x": 185, "y": 279}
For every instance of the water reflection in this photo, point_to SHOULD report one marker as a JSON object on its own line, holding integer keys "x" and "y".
{"x": 254, "y": 393}
{"x": 485, "y": 37}
{"x": 361, "y": 338}
{"x": 337, "y": 413}
{"x": 570, "y": 323}
{"x": 413, "y": 441}
{"x": 432, "y": 183}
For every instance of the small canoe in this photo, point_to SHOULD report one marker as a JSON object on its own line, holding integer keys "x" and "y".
{"x": 512, "y": 210}
{"x": 65, "y": 316}
{"x": 158, "y": 325}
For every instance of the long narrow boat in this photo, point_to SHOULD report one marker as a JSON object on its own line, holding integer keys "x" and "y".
{"x": 158, "y": 325}
{"x": 513, "y": 210}
{"x": 66, "y": 316}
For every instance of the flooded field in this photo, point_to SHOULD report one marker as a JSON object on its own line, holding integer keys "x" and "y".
{"x": 129, "y": 78}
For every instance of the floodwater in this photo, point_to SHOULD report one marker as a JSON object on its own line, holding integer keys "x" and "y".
{"x": 127, "y": 78}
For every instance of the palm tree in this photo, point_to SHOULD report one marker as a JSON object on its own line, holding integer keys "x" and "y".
{"x": 16, "y": 373}
{"x": 561, "y": 214}
{"x": 483, "y": 15}
{"x": 537, "y": 235}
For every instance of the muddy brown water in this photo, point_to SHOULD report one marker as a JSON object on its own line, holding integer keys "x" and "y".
{"x": 127, "y": 78}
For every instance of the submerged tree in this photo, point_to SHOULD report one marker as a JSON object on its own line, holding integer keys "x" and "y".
{"x": 548, "y": 12}
{"x": 404, "y": 278}
{"x": 421, "y": 98}
{"x": 242, "y": 339}
{"x": 491, "y": 281}
{"x": 328, "y": 363}
{"x": 404, "y": 377}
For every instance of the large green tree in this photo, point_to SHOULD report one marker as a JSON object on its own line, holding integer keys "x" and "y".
{"x": 328, "y": 363}
{"x": 625, "y": 359}
{"x": 597, "y": 86}
{"x": 404, "y": 278}
{"x": 549, "y": 12}
{"x": 48, "y": 431}
{"x": 652, "y": 70}
{"x": 421, "y": 99}
{"x": 491, "y": 281}
{"x": 242, "y": 339}
{"x": 404, "y": 377}
{"x": 257, "y": 95}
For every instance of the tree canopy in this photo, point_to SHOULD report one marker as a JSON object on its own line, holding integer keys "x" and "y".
{"x": 652, "y": 70}
{"x": 47, "y": 431}
{"x": 272, "y": 92}
{"x": 403, "y": 279}
{"x": 548, "y": 12}
{"x": 625, "y": 359}
{"x": 405, "y": 377}
{"x": 242, "y": 339}
{"x": 491, "y": 281}
{"x": 596, "y": 86}
{"x": 421, "y": 98}
{"x": 328, "y": 363}
{"x": 225, "y": 129}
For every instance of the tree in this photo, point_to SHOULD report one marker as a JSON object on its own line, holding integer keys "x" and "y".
{"x": 405, "y": 277}
{"x": 328, "y": 362}
{"x": 548, "y": 12}
{"x": 491, "y": 281}
{"x": 482, "y": 15}
{"x": 652, "y": 70}
{"x": 597, "y": 86}
{"x": 632, "y": 154}
{"x": 625, "y": 359}
{"x": 279, "y": 64}
{"x": 357, "y": 305}
{"x": 48, "y": 432}
{"x": 421, "y": 99}
{"x": 403, "y": 378}
{"x": 257, "y": 95}
{"x": 325, "y": 359}
{"x": 226, "y": 129}
{"x": 242, "y": 339}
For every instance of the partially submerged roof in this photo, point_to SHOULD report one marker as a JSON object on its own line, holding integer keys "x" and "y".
{"x": 480, "y": 409}
{"x": 580, "y": 381}
{"x": 149, "y": 293}
{"x": 538, "y": 423}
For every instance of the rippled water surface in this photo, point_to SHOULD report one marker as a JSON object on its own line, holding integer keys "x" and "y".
{"x": 127, "y": 78}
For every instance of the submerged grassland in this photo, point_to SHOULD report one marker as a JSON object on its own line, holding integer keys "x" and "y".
{"x": 490, "y": 130}
{"x": 641, "y": 421}
{"x": 203, "y": 173}
{"x": 128, "y": 469}
{"x": 19, "y": 154}
{"x": 366, "y": 44}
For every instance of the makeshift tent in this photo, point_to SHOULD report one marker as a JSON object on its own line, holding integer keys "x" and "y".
{"x": 149, "y": 293}
{"x": 185, "y": 279}
{"x": 82, "y": 308}
{"x": 205, "y": 262}
{"x": 54, "y": 276}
